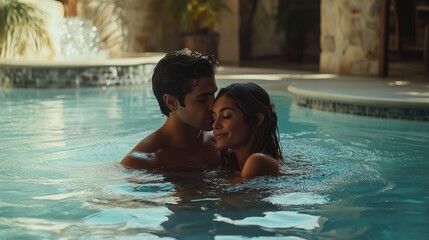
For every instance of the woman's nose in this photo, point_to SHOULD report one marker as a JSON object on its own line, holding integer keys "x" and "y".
{"x": 216, "y": 124}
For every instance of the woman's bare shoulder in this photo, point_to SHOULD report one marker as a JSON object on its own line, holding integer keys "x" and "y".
{"x": 260, "y": 164}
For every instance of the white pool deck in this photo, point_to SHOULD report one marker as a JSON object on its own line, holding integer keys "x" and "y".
{"x": 411, "y": 90}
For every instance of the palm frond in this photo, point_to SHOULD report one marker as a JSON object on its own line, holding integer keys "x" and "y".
{"x": 22, "y": 30}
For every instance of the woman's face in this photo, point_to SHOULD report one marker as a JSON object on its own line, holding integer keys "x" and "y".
{"x": 229, "y": 128}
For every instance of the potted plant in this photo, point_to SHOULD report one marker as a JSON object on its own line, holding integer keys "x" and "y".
{"x": 299, "y": 20}
{"x": 197, "y": 20}
{"x": 22, "y": 30}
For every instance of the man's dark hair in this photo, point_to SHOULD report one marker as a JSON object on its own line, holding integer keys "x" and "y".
{"x": 176, "y": 73}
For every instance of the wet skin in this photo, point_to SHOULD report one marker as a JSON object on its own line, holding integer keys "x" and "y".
{"x": 181, "y": 142}
{"x": 233, "y": 133}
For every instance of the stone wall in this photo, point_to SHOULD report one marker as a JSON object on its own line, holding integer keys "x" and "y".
{"x": 349, "y": 36}
{"x": 146, "y": 21}
{"x": 267, "y": 41}
{"x": 152, "y": 29}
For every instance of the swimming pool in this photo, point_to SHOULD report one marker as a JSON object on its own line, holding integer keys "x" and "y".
{"x": 346, "y": 177}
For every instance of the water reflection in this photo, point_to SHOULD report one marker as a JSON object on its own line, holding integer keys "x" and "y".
{"x": 274, "y": 220}
{"x": 123, "y": 219}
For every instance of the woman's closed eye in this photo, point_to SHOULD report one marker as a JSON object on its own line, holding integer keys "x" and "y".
{"x": 223, "y": 115}
{"x": 226, "y": 116}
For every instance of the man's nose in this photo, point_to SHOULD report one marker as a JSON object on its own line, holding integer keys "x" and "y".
{"x": 210, "y": 102}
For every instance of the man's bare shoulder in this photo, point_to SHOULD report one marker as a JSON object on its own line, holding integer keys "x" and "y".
{"x": 155, "y": 152}
{"x": 144, "y": 154}
{"x": 152, "y": 143}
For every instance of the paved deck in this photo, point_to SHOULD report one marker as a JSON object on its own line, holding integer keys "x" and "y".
{"x": 348, "y": 94}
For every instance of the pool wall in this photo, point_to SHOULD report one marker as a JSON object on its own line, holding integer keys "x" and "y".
{"x": 368, "y": 109}
{"x": 126, "y": 70}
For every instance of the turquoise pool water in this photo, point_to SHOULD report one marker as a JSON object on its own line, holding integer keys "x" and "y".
{"x": 346, "y": 177}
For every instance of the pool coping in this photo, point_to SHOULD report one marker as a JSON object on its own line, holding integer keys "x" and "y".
{"x": 380, "y": 101}
{"x": 126, "y": 59}
{"x": 346, "y": 99}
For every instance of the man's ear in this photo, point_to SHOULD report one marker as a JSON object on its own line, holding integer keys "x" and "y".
{"x": 261, "y": 119}
{"x": 171, "y": 101}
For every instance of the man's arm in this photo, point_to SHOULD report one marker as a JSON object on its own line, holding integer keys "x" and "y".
{"x": 143, "y": 155}
{"x": 139, "y": 160}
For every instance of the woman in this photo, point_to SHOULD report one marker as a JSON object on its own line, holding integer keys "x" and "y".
{"x": 245, "y": 127}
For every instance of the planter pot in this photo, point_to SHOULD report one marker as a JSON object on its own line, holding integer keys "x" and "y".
{"x": 203, "y": 42}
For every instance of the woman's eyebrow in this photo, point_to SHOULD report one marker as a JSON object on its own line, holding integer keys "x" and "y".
{"x": 223, "y": 109}
{"x": 227, "y": 108}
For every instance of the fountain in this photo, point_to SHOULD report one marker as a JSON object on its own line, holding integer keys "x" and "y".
{"x": 80, "y": 54}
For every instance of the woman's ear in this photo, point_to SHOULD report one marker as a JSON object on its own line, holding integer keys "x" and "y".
{"x": 261, "y": 119}
{"x": 170, "y": 101}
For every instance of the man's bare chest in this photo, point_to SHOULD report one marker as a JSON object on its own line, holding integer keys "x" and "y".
{"x": 189, "y": 158}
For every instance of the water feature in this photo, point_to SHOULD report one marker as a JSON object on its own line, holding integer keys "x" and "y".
{"x": 78, "y": 56}
{"x": 81, "y": 41}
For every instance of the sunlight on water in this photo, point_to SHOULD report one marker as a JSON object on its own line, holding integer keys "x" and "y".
{"x": 147, "y": 218}
{"x": 34, "y": 224}
{"x": 297, "y": 199}
{"x": 282, "y": 219}
{"x": 230, "y": 237}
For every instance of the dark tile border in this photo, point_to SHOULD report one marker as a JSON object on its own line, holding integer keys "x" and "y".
{"x": 64, "y": 77}
{"x": 392, "y": 112}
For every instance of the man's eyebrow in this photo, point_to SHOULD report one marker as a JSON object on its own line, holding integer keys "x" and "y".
{"x": 204, "y": 94}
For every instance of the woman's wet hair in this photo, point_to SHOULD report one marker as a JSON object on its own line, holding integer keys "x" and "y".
{"x": 252, "y": 99}
{"x": 177, "y": 73}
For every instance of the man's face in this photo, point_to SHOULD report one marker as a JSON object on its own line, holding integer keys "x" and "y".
{"x": 199, "y": 104}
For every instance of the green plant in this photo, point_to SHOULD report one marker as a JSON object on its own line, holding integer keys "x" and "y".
{"x": 22, "y": 30}
{"x": 196, "y": 15}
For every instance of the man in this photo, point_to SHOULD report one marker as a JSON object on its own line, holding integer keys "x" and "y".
{"x": 184, "y": 85}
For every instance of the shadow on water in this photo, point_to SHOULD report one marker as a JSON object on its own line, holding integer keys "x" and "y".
{"x": 208, "y": 204}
